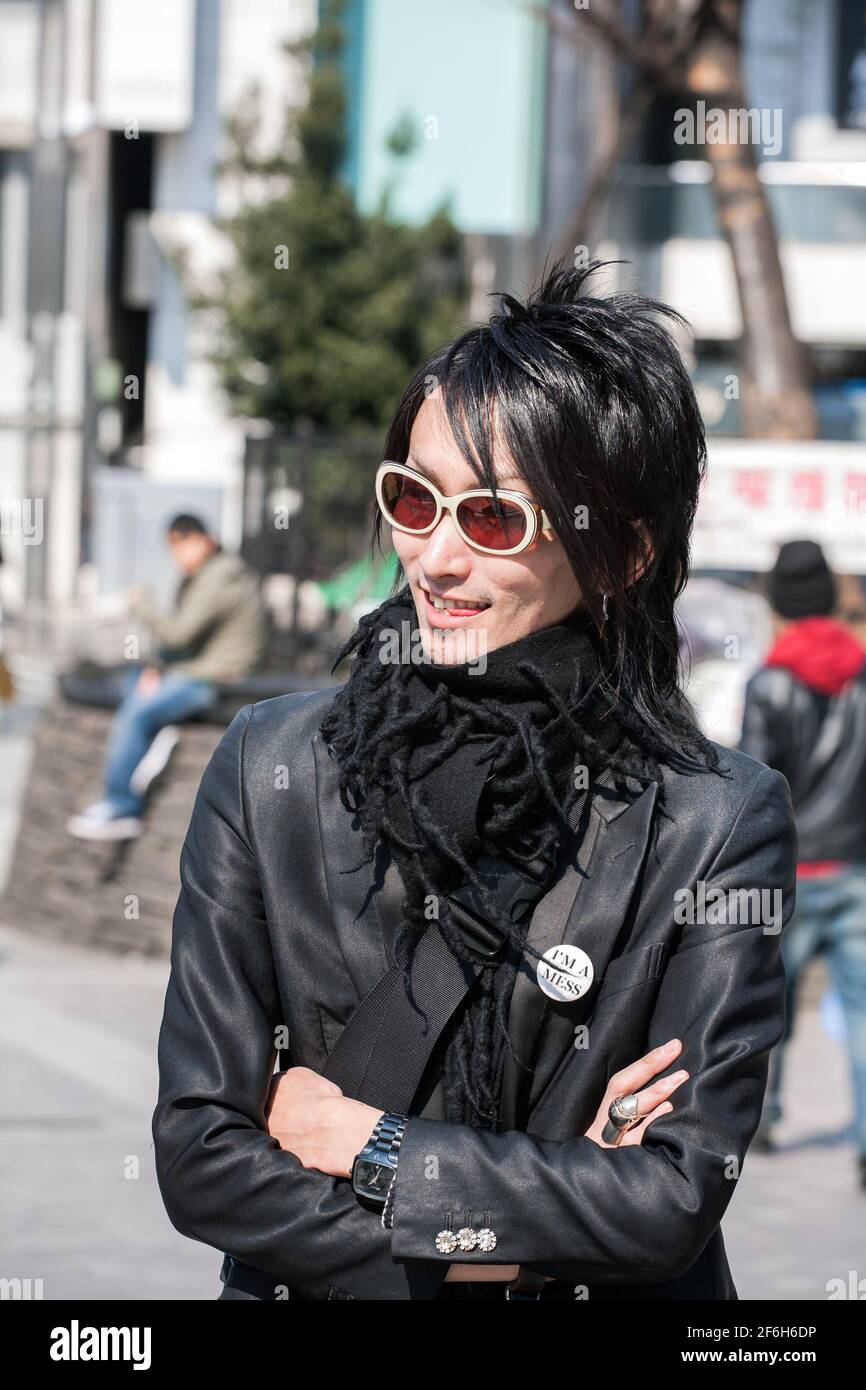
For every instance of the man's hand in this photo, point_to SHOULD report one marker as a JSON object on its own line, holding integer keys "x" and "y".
{"x": 148, "y": 681}
{"x": 311, "y": 1117}
{"x": 652, "y": 1100}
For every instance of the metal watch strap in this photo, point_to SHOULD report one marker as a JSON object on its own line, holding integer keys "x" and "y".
{"x": 388, "y": 1133}
{"x": 388, "y": 1208}
{"x": 384, "y": 1145}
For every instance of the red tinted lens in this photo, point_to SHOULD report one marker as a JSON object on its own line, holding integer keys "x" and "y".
{"x": 497, "y": 528}
{"x": 410, "y": 503}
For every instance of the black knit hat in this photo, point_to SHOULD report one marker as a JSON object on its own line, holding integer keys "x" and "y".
{"x": 801, "y": 583}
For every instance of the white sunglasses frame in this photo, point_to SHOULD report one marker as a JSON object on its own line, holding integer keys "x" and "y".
{"x": 537, "y": 518}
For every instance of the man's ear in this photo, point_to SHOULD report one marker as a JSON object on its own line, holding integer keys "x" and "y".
{"x": 640, "y": 564}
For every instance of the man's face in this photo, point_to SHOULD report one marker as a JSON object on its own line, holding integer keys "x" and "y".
{"x": 189, "y": 552}
{"x": 520, "y": 593}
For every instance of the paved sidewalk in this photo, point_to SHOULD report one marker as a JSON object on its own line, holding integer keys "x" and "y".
{"x": 81, "y": 1206}
{"x": 78, "y": 1081}
{"x": 798, "y": 1216}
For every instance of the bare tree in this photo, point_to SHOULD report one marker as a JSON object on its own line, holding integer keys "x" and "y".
{"x": 694, "y": 48}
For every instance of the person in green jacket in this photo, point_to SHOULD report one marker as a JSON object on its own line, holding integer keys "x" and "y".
{"x": 216, "y": 631}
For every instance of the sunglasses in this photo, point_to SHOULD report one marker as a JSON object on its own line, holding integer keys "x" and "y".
{"x": 500, "y": 525}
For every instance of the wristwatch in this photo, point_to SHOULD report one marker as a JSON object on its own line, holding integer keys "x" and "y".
{"x": 374, "y": 1167}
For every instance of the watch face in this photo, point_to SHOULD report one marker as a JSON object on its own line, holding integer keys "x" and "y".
{"x": 371, "y": 1179}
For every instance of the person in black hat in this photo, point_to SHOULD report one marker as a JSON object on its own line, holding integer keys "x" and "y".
{"x": 511, "y": 735}
{"x": 805, "y": 714}
{"x": 801, "y": 584}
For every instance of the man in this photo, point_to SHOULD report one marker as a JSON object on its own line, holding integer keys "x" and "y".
{"x": 805, "y": 715}
{"x": 216, "y": 631}
{"x": 554, "y": 762}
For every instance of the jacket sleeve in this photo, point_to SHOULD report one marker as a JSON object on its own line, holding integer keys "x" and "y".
{"x": 762, "y": 723}
{"x": 204, "y": 605}
{"x": 581, "y": 1213}
{"x": 224, "y": 1180}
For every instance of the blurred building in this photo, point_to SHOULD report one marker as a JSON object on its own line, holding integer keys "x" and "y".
{"x": 111, "y": 118}
{"x": 111, "y": 124}
{"x": 505, "y": 117}
{"x": 806, "y": 61}
{"x": 805, "y": 66}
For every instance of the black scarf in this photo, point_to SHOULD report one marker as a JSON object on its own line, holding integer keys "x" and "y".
{"x": 446, "y": 762}
{"x": 516, "y": 712}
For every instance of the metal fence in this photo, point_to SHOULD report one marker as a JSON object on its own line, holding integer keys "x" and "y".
{"x": 308, "y": 506}
{"x": 308, "y": 500}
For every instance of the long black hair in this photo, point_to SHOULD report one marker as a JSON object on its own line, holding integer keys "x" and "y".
{"x": 595, "y": 405}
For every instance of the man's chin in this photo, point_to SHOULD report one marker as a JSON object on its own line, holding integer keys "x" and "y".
{"x": 454, "y": 646}
{"x": 438, "y": 646}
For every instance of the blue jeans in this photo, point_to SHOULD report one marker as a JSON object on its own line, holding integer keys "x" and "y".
{"x": 138, "y": 719}
{"x": 829, "y": 919}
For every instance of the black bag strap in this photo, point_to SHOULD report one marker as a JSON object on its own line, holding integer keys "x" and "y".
{"x": 381, "y": 1054}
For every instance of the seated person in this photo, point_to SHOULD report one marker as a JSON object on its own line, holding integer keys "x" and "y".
{"x": 217, "y": 630}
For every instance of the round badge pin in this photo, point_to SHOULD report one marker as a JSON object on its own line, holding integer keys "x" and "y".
{"x": 564, "y": 973}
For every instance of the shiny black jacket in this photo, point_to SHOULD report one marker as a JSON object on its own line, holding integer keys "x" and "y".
{"x": 279, "y": 921}
{"x": 818, "y": 742}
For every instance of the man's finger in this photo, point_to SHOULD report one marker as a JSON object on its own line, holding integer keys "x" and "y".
{"x": 635, "y": 1135}
{"x": 633, "y": 1077}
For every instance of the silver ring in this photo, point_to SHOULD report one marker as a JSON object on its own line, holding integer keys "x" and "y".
{"x": 623, "y": 1115}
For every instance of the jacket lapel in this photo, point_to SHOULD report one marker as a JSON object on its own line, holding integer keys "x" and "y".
{"x": 586, "y": 907}
{"x": 353, "y": 883}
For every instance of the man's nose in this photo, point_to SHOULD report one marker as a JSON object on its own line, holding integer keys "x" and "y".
{"x": 446, "y": 552}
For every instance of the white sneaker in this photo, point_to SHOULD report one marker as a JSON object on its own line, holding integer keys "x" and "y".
{"x": 155, "y": 759}
{"x": 98, "y": 822}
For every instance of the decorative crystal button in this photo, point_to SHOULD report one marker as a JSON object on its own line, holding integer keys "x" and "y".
{"x": 446, "y": 1242}
{"x": 486, "y": 1238}
{"x": 467, "y": 1239}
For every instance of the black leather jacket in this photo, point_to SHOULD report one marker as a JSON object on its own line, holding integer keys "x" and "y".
{"x": 276, "y": 924}
{"x": 818, "y": 742}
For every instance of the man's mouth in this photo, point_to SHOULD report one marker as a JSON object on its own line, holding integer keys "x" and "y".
{"x": 456, "y": 609}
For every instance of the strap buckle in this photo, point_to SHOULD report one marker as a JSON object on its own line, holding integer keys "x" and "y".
{"x": 513, "y": 892}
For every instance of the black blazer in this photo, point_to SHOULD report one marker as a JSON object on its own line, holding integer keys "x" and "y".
{"x": 280, "y": 922}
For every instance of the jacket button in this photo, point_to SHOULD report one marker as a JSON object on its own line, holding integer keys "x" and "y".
{"x": 466, "y": 1238}
{"x": 486, "y": 1239}
{"x": 446, "y": 1242}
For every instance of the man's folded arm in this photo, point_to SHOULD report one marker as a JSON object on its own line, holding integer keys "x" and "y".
{"x": 224, "y": 1180}
{"x": 581, "y": 1213}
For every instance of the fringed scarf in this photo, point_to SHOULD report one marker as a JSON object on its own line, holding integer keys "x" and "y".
{"x": 443, "y": 763}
